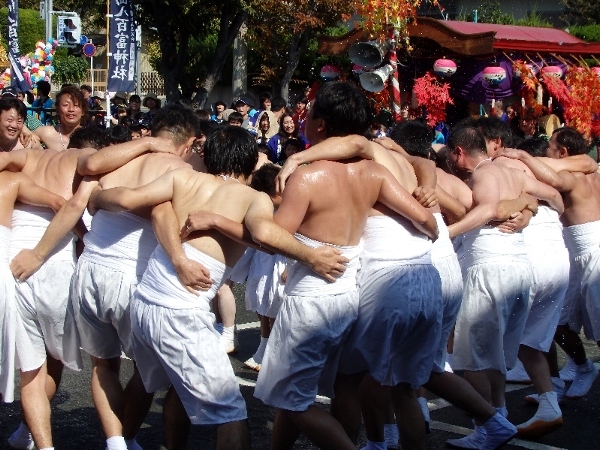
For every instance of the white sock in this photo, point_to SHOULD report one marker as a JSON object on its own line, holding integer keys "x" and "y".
{"x": 227, "y": 332}
{"x": 132, "y": 444}
{"x": 375, "y": 446}
{"x": 260, "y": 351}
{"x": 116, "y": 443}
{"x": 502, "y": 410}
{"x": 548, "y": 408}
{"x": 585, "y": 367}
{"x": 390, "y": 432}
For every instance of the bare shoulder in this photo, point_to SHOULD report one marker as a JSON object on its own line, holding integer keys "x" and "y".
{"x": 46, "y": 130}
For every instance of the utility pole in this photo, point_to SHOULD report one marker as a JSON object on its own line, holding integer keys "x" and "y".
{"x": 240, "y": 63}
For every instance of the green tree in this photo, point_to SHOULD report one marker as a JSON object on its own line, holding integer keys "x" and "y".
{"x": 280, "y": 32}
{"x": 581, "y": 12}
{"x": 68, "y": 68}
{"x": 30, "y": 29}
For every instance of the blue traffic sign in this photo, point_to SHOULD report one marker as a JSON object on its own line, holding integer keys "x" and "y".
{"x": 89, "y": 50}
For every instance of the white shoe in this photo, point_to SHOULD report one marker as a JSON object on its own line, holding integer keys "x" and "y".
{"x": 21, "y": 439}
{"x": 559, "y": 388}
{"x": 547, "y": 418}
{"x": 498, "y": 431}
{"x": 569, "y": 370}
{"x": 229, "y": 342}
{"x": 586, "y": 375}
{"x": 518, "y": 374}
{"x": 472, "y": 441}
{"x": 425, "y": 411}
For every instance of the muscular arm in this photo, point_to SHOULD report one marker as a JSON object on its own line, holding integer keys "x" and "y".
{"x": 125, "y": 199}
{"x": 32, "y": 194}
{"x": 452, "y": 209}
{"x": 13, "y": 161}
{"x": 394, "y": 196}
{"x": 67, "y": 218}
{"x": 486, "y": 196}
{"x": 115, "y": 156}
{"x": 192, "y": 275}
{"x": 326, "y": 261}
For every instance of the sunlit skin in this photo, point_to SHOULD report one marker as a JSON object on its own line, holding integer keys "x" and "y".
{"x": 11, "y": 125}
{"x": 69, "y": 111}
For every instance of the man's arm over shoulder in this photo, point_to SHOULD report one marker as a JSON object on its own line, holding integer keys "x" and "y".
{"x": 13, "y": 161}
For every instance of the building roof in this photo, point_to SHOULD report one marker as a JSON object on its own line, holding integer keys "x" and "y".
{"x": 434, "y": 38}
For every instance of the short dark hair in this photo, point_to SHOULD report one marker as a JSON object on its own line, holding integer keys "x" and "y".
{"x": 470, "y": 139}
{"x": 203, "y": 114}
{"x": 263, "y": 179}
{"x": 294, "y": 142}
{"x": 344, "y": 109}
{"x": 119, "y": 134}
{"x": 235, "y": 116}
{"x": 264, "y": 96}
{"x": 230, "y": 151}
{"x": 85, "y": 87}
{"x": 178, "y": 120}
{"x": 76, "y": 97}
{"x": 208, "y": 127}
{"x": 43, "y": 87}
{"x": 415, "y": 138}
{"x": 90, "y": 137}
{"x": 534, "y": 146}
{"x": 572, "y": 140}
{"x": 220, "y": 102}
{"x": 278, "y": 103}
{"x": 263, "y": 148}
{"x": 8, "y": 103}
{"x": 494, "y": 128}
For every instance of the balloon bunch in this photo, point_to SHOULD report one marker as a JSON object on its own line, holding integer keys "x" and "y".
{"x": 37, "y": 66}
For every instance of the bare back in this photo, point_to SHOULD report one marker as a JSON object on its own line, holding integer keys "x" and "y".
{"x": 404, "y": 172}
{"x": 141, "y": 171}
{"x": 508, "y": 181}
{"x": 194, "y": 191}
{"x": 330, "y": 201}
{"x": 582, "y": 203}
{"x": 455, "y": 187}
{"x": 55, "y": 171}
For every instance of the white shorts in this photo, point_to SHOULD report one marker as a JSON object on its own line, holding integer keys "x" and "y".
{"x": 550, "y": 271}
{"x": 264, "y": 288}
{"x": 452, "y": 292}
{"x": 492, "y": 316}
{"x": 42, "y": 305}
{"x": 8, "y": 318}
{"x": 397, "y": 332}
{"x": 303, "y": 350}
{"x": 582, "y": 301}
{"x": 180, "y": 347}
{"x": 100, "y": 298}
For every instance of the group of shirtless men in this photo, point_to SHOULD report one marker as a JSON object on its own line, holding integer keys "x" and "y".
{"x": 371, "y": 300}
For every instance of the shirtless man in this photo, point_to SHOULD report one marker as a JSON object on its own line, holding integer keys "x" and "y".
{"x": 203, "y": 386}
{"x": 42, "y": 299}
{"x": 493, "y": 315}
{"x": 71, "y": 108}
{"x": 12, "y": 117}
{"x": 324, "y": 202}
{"x": 116, "y": 253}
{"x": 14, "y": 187}
{"x": 580, "y": 219}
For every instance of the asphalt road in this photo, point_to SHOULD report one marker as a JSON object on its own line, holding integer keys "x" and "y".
{"x": 76, "y": 427}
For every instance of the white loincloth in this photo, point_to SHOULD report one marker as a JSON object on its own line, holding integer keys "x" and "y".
{"x": 264, "y": 289}
{"x": 550, "y": 269}
{"x": 495, "y": 300}
{"x": 116, "y": 254}
{"x": 582, "y": 301}
{"x": 240, "y": 271}
{"x": 120, "y": 240}
{"x": 8, "y": 321}
{"x": 42, "y": 300}
{"x": 444, "y": 259}
{"x": 398, "y": 328}
{"x": 175, "y": 341}
{"x": 303, "y": 350}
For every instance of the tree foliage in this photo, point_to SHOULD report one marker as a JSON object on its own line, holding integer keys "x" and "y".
{"x": 581, "y": 12}
{"x": 281, "y": 32}
{"x": 31, "y": 29}
{"x": 589, "y": 33}
{"x": 68, "y": 68}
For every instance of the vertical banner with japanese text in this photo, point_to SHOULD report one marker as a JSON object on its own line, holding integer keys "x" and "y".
{"x": 17, "y": 79}
{"x": 121, "y": 69}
